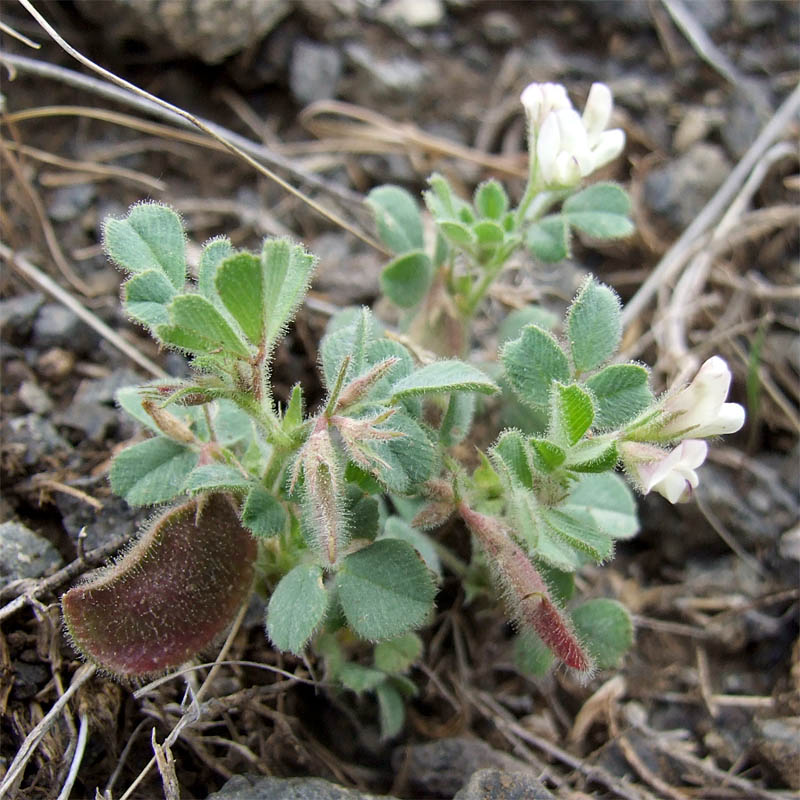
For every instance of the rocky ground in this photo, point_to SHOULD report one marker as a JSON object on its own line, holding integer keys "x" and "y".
{"x": 338, "y": 97}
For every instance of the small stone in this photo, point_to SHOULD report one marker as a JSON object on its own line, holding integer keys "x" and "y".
{"x": 679, "y": 190}
{"x": 413, "y": 13}
{"x": 314, "y": 71}
{"x": 25, "y": 554}
{"x": 57, "y": 326}
{"x": 695, "y": 126}
{"x": 104, "y": 390}
{"x": 17, "y": 313}
{"x": 55, "y": 364}
{"x": 501, "y": 28}
{"x": 398, "y": 75}
{"x": 34, "y": 398}
{"x": 778, "y": 743}
{"x": 742, "y": 127}
{"x": 256, "y": 787}
{"x": 442, "y": 767}
{"x": 69, "y": 202}
{"x": 93, "y": 420}
{"x": 498, "y": 785}
{"x": 36, "y": 438}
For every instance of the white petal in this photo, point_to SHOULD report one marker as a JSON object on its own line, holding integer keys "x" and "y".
{"x": 567, "y": 170}
{"x": 597, "y": 111}
{"x": 548, "y": 144}
{"x": 674, "y": 487}
{"x": 532, "y": 99}
{"x": 609, "y": 145}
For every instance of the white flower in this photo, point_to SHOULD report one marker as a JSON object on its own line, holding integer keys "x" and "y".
{"x": 671, "y": 474}
{"x": 699, "y": 409}
{"x": 569, "y": 147}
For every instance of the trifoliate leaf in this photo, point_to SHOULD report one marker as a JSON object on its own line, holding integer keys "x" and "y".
{"x": 262, "y": 514}
{"x": 443, "y": 376}
{"x": 406, "y": 279}
{"x": 532, "y": 362}
{"x": 146, "y": 297}
{"x": 398, "y": 654}
{"x": 297, "y": 608}
{"x": 200, "y": 322}
{"x": 215, "y": 477}
{"x": 621, "y": 393}
{"x": 594, "y": 325}
{"x": 491, "y": 200}
{"x": 609, "y": 501}
{"x": 213, "y": 254}
{"x": 151, "y": 237}
{"x": 572, "y": 413}
{"x": 606, "y": 630}
{"x": 240, "y": 285}
{"x": 397, "y": 218}
{"x": 385, "y": 590}
{"x": 548, "y": 239}
{"x": 152, "y": 471}
{"x": 601, "y": 211}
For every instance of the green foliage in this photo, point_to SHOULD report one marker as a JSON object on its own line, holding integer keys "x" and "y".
{"x": 397, "y": 218}
{"x": 385, "y": 590}
{"x": 594, "y": 326}
{"x": 532, "y": 362}
{"x": 621, "y": 392}
{"x": 443, "y": 376}
{"x": 549, "y": 239}
{"x": 262, "y": 514}
{"x": 605, "y": 627}
{"x": 406, "y": 279}
{"x": 601, "y": 211}
{"x": 297, "y": 608}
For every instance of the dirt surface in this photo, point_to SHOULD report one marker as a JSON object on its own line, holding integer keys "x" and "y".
{"x": 707, "y": 702}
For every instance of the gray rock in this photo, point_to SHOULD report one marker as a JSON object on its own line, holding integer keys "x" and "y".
{"x": 742, "y": 126}
{"x": 314, "y": 71}
{"x": 413, "y": 13}
{"x": 94, "y": 420}
{"x": 679, "y": 190}
{"x": 69, "y": 202}
{"x": 17, "y": 313}
{"x": 103, "y": 390}
{"x": 25, "y": 554}
{"x": 33, "y": 437}
{"x": 501, "y": 28}
{"x": 779, "y": 744}
{"x": 499, "y": 785}
{"x": 442, "y": 767}
{"x": 399, "y": 75}
{"x": 247, "y": 787}
{"x": 210, "y": 30}
{"x": 57, "y": 326}
{"x": 34, "y": 398}
{"x": 115, "y": 518}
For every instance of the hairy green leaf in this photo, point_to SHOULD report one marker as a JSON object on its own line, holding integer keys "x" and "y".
{"x": 297, "y": 608}
{"x": 397, "y": 528}
{"x": 609, "y": 501}
{"x": 594, "y": 325}
{"x": 548, "y": 239}
{"x": 151, "y": 237}
{"x": 573, "y": 413}
{"x": 510, "y": 456}
{"x": 532, "y": 362}
{"x": 592, "y": 455}
{"x": 443, "y": 376}
{"x": 491, "y": 200}
{"x": 240, "y": 284}
{"x": 398, "y": 654}
{"x": 385, "y": 590}
{"x": 152, "y": 471}
{"x": 262, "y": 514}
{"x": 146, "y": 297}
{"x": 579, "y": 531}
{"x": 606, "y": 630}
{"x": 397, "y": 218}
{"x": 391, "y": 710}
{"x": 621, "y": 393}
{"x": 199, "y": 321}
{"x": 547, "y": 456}
{"x": 406, "y": 279}
{"x": 214, "y": 252}
{"x": 601, "y": 210}
{"x": 531, "y": 654}
{"x": 215, "y": 478}
{"x": 457, "y": 419}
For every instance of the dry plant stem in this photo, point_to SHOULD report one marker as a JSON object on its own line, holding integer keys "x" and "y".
{"x": 83, "y": 733}
{"x": 133, "y": 100}
{"x": 673, "y": 347}
{"x": 646, "y": 774}
{"x": 28, "y": 747}
{"x": 211, "y": 131}
{"x": 674, "y": 259}
{"x": 47, "y": 284}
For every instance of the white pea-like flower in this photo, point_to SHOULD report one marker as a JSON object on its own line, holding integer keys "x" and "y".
{"x": 671, "y": 474}
{"x": 699, "y": 410}
{"x": 566, "y": 146}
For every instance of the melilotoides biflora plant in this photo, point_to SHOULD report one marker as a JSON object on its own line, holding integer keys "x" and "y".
{"x": 328, "y": 512}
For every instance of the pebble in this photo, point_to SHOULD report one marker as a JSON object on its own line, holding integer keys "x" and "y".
{"x": 34, "y": 398}
{"x": 501, "y": 28}
{"x": 398, "y": 75}
{"x": 443, "y": 766}
{"x": 57, "y": 326}
{"x": 314, "y": 71}
{"x": 55, "y": 364}
{"x": 779, "y": 744}
{"x": 413, "y": 13}
{"x": 36, "y": 438}
{"x": 253, "y": 787}
{"x": 104, "y": 390}
{"x": 25, "y": 554}
{"x": 679, "y": 190}
{"x": 499, "y": 785}
{"x": 17, "y": 314}
{"x": 94, "y": 420}
{"x": 69, "y": 202}
{"x": 742, "y": 126}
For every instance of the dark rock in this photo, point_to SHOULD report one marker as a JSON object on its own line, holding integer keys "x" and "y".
{"x": 314, "y": 71}
{"x": 57, "y": 326}
{"x": 28, "y": 679}
{"x": 742, "y": 126}
{"x": 778, "y": 743}
{"x": 442, "y": 767}
{"x": 115, "y": 518}
{"x": 24, "y": 554}
{"x": 498, "y": 785}
{"x": 17, "y": 313}
{"x": 247, "y": 787}
{"x": 34, "y": 438}
{"x": 679, "y": 190}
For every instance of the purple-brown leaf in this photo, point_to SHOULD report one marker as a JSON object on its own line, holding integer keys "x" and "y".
{"x": 169, "y": 596}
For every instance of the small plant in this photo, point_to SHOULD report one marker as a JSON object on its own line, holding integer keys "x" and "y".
{"x": 328, "y": 512}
